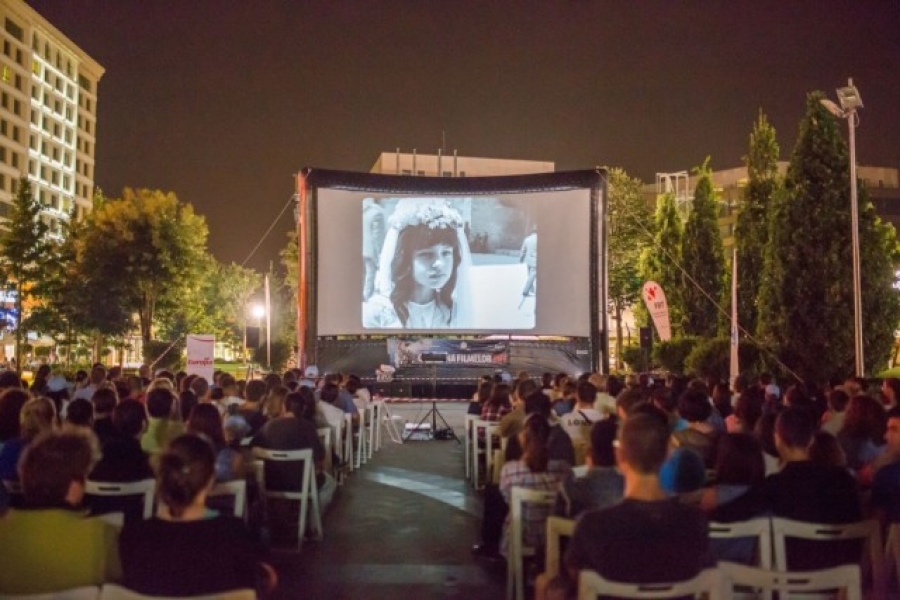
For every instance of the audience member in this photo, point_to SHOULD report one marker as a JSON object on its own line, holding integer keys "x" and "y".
{"x": 48, "y": 546}
{"x": 37, "y": 416}
{"x": 104, "y": 401}
{"x": 747, "y": 410}
{"x": 825, "y": 450}
{"x": 886, "y": 482}
{"x": 806, "y": 491}
{"x": 862, "y": 435}
{"x": 163, "y": 427}
{"x": 833, "y": 419}
{"x": 648, "y": 537}
{"x": 123, "y": 458}
{"x": 579, "y": 421}
{"x": 95, "y": 380}
{"x": 498, "y": 405}
{"x": 80, "y": 413}
{"x": 602, "y": 484}
{"x": 683, "y": 471}
{"x": 160, "y": 556}
{"x": 695, "y": 408}
{"x": 206, "y": 421}
{"x": 251, "y": 409}
{"x": 482, "y": 395}
{"x": 11, "y": 402}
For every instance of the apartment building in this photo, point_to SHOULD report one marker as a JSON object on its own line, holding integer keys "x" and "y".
{"x": 48, "y": 115}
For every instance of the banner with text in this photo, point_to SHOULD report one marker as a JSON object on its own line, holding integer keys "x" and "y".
{"x": 407, "y": 352}
{"x": 200, "y": 356}
{"x": 655, "y": 299}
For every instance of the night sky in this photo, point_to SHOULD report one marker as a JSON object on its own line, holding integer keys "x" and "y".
{"x": 223, "y": 101}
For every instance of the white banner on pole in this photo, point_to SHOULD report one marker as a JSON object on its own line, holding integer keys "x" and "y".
{"x": 655, "y": 300}
{"x": 200, "y": 355}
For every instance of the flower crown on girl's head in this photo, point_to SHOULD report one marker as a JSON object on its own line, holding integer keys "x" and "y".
{"x": 436, "y": 213}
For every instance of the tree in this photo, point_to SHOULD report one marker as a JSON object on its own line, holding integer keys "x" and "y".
{"x": 806, "y": 299}
{"x": 702, "y": 259}
{"x": 144, "y": 253}
{"x": 630, "y": 223}
{"x": 751, "y": 232}
{"x": 23, "y": 252}
{"x": 660, "y": 262}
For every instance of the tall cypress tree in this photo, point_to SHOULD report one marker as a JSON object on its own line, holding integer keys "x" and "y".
{"x": 23, "y": 252}
{"x": 751, "y": 230}
{"x": 660, "y": 261}
{"x": 806, "y": 299}
{"x": 702, "y": 259}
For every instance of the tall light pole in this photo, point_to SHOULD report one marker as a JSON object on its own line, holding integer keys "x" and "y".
{"x": 850, "y": 101}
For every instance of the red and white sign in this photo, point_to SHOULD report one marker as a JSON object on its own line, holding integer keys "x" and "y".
{"x": 655, "y": 300}
{"x": 200, "y": 356}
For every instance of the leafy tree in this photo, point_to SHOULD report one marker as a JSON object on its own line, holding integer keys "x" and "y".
{"x": 671, "y": 355}
{"x": 143, "y": 253}
{"x": 629, "y": 223}
{"x": 23, "y": 253}
{"x": 806, "y": 300}
{"x": 751, "y": 230}
{"x": 702, "y": 259}
{"x": 660, "y": 262}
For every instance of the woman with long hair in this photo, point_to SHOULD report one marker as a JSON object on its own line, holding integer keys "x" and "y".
{"x": 205, "y": 420}
{"x": 534, "y": 470}
{"x": 160, "y": 555}
{"x": 422, "y": 280}
{"x": 36, "y": 416}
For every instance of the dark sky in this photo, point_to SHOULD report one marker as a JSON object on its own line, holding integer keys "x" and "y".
{"x": 222, "y": 101}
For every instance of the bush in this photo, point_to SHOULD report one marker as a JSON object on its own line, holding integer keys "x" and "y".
{"x": 281, "y": 352}
{"x": 635, "y": 358}
{"x": 711, "y": 358}
{"x": 671, "y": 355}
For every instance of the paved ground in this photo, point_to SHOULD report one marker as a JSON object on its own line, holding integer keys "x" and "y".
{"x": 402, "y": 526}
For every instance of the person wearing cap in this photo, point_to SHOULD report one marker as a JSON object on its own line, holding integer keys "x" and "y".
{"x": 310, "y": 376}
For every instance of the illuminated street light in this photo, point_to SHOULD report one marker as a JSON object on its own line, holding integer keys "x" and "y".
{"x": 851, "y": 101}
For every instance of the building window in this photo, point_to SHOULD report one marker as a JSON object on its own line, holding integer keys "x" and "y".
{"x": 15, "y": 133}
{"x": 15, "y": 160}
{"x": 6, "y": 74}
{"x": 6, "y": 48}
{"x": 84, "y": 82}
{"x": 14, "y": 30}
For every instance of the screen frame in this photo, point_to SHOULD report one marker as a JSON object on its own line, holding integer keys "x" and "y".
{"x": 311, "y": 180}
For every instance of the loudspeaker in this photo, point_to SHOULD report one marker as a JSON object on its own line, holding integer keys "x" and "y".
{"x": 646, "y": 338}
{"x": 253, "y": 337}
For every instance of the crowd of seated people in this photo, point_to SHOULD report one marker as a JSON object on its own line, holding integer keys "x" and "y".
{"x": 704, "y": 454}
{"x": 185, "y": 433}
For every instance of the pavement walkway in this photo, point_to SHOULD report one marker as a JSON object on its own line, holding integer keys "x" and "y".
{"x": 401, "y": 526}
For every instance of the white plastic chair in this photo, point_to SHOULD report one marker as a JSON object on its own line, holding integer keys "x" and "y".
{"x": 372, "y": 427}
{"x": 236, "y": 488}
{"x": 892, "y": 554}
{"x": 145, "y": 488}
{"x": 325, "y": 438}
{"x": 111, "y": 591}
{"x": 709, "y": 582}
{"x": 467, "y": 443}
{"x": 90, "y": 592}
{"x": 516, "y": 551}
{"x": 489, "y": 429}
{"x": 844, "y": 577}
{"x": 759, "y": 528}
{"x": 557, "y": 528}
{"x": 308, "y": 495}
{"x": 868, "y": 531}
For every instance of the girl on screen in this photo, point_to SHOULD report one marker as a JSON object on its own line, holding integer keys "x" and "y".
{"x": 423, "y": 271}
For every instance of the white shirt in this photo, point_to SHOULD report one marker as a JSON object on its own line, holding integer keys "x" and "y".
{"x": 578, "y": 423}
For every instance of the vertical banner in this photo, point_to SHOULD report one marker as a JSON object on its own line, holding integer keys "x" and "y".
{"x": 200, "y": 355}
{"x": 655, "y": 300}
{"x": 735, "y": 366}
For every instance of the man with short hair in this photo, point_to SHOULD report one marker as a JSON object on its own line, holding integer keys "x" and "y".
{"x": 230, "y": 392}
{"x": 578, "y": 423}
{"x": 649, "y": 537}
{"x": 602, "y": 484}
{"x": 48, "y": 546}
{"x": 807, "y": 491}
{"x": 200, "y": 387}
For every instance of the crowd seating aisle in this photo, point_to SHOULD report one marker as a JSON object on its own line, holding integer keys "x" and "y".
{"x": 402, "y": 526}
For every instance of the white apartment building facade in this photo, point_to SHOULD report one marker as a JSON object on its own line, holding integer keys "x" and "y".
{"x": 452, "y": 165}
{"x": 48, "y": 115}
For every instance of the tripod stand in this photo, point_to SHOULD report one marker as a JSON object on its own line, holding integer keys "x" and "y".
{"x": 433, "y": 412}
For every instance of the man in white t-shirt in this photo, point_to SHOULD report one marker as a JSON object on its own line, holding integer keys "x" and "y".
{"x": 578, "y": 423}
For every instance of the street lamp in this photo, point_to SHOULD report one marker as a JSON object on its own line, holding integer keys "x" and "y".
{"x": 851, "y": 101}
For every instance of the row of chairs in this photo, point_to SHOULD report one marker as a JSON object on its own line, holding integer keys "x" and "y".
{"x": 480, "y": 442}
{"x": 111, "y": 591}
{"x": 770, "y": 534}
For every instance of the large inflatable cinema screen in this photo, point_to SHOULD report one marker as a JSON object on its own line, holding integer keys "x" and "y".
{"x": 441, "y": 261}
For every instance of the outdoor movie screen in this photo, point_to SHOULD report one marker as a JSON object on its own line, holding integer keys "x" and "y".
{"x": 425, "y": 263}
